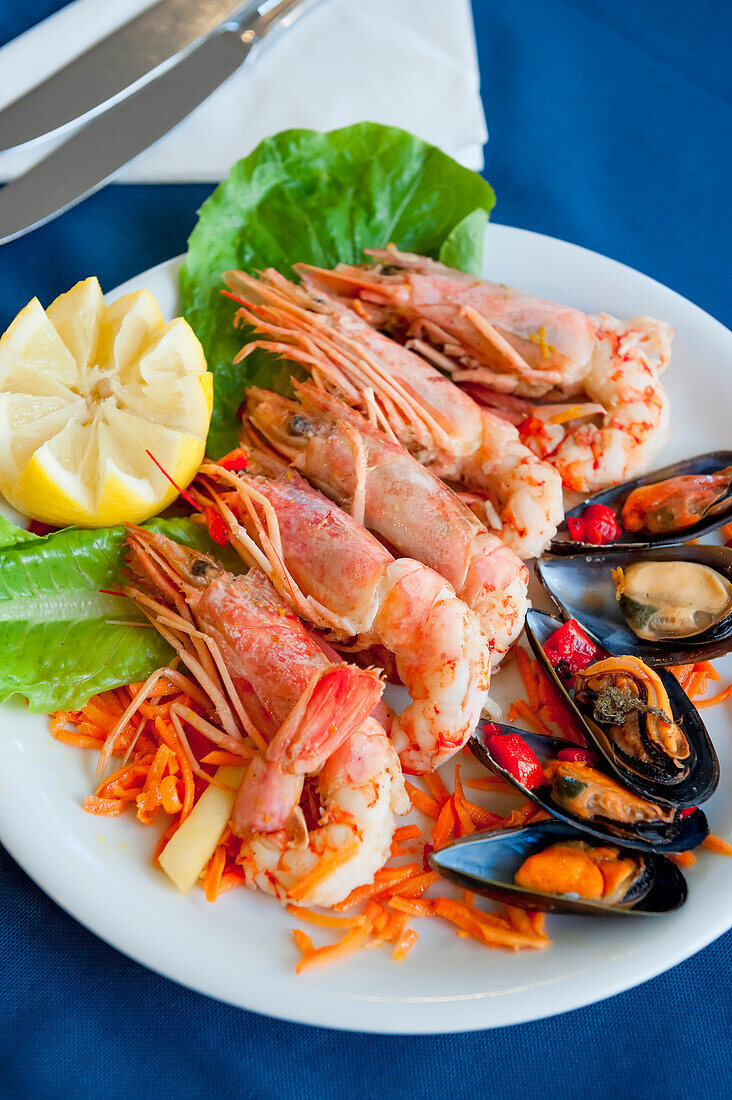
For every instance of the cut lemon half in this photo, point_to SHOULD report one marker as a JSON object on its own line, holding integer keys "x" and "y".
{"x": 86, "y": 390}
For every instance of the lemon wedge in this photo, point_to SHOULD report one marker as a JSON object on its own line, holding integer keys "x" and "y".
{"x": 86, "y": 390}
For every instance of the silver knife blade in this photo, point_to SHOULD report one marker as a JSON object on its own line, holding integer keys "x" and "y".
{"x": 97, "y": 151}
{"x": 113, "y": 67}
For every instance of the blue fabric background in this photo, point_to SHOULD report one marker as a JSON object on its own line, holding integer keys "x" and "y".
{"x": 610, "y": 127}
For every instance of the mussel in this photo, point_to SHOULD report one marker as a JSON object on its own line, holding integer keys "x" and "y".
{"x": 663, "y": 601}
{"x": 661, "y": 769}
{"x": 628, "y": 701}
{"x": 668, "y": 607}
{"x": 490, "y": 864}
{"x": 591, "y": 801}
{"x": 672, "y": 514}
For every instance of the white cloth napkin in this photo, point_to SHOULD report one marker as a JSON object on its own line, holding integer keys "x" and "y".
{"x": 409, "y": 63}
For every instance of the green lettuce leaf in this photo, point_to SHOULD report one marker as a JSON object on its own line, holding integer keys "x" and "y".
{"x": 61, "y": 639}
{"x": 319, "y": 198}
{"x": 10, "y": 534}
{"x": 463, "y": 247}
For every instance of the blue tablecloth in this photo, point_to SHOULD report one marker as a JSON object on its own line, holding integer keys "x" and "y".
{"x": 610, "y": 127}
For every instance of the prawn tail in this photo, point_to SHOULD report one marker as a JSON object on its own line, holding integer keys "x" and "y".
{"x": 336, "y": 703}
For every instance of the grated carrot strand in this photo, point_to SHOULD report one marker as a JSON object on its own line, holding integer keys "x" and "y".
{"x": 717, "y": 844}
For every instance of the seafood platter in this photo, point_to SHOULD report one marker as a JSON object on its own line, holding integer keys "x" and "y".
{"x": 360, "y": 585}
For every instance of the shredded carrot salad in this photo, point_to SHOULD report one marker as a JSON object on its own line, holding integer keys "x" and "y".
{"x": 166, "y": 762}
{"x": 543, "y": 706}
{"x": 162, "y": 775}
{"x": 694, "y": 680}
{"x": 398, "y": 893}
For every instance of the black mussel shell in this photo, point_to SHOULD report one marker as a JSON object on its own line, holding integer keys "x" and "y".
{"x": 702, "y": 774}
{"x": 486, "y": 863}
{"x": 563, "y": 543}
{"x": 582, "y": 588}
{"x": 680, "y": 835}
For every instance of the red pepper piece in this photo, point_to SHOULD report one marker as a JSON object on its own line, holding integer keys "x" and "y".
{"x": 584, "y": 755}
{"x": 235, "y": 460}
{"x": 534, "y": 430}
{"x": 513, "y": 754}
{"x": 569, "y": 650}
{"x": 598, "y": 524}
{"x": 37, "y": 528}
{"x": 601, "y": 524}
{"x": 576, "y": 528}
{"x": 688, "y": 811}
{"x": 426, "y": 853}
{"x": 531, "y": 425}
{"x": 217, "y": 529}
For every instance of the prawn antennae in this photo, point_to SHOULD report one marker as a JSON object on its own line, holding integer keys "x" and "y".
{"x": 165, "y": 473}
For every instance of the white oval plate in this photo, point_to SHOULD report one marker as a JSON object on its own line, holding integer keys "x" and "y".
{"x": 240, "y": 950}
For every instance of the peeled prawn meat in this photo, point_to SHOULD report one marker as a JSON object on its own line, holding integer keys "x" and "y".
{"x": 360, "y": 788}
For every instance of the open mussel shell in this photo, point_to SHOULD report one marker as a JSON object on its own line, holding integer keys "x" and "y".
{"x": 702, "y": 773}
{"x": 583, "y": 588}
{"x": 680, "y": 835}
{"x": 615, "y": 498}
{"x": 487, "y": 862}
